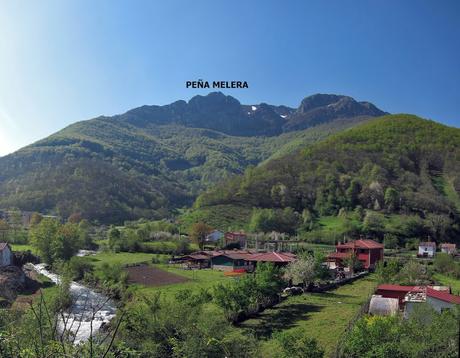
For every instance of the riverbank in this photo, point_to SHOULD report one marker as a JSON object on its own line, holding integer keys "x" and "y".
{"x": 89, "y": 312}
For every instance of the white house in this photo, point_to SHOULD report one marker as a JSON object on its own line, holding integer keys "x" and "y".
{"x": 215, "y": 236}
{"x": 6, "y": 254}
{"x": 426, "y": 249}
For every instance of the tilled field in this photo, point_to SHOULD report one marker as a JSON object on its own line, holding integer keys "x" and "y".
{"x": 152, "y": 276}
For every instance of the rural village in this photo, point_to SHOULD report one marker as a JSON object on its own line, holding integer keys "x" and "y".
{"x": 210, "y": 259}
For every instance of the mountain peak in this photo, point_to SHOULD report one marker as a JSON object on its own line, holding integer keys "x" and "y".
{"x": 226, "y": 114}
{"x": 318, "y": 100}
{"x": 323, "y": 108}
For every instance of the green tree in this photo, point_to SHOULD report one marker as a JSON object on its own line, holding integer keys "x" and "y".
{"x": 269, "y": 283}
{"x": 236, "y": 298}
{"x": 438, "y": 224}
{"x": 35, "y": 219}
{"x": 352, "y": 193}
{"x": 387, "y": 272}
{"x": 391, "y": 199}
{"x": 413, "y": 273}
{"x": 298, "y": 343}
{"x": 114, "y": 237}
{"x": 42, "y": 237}
{"x": 445, "y": 264}
{"x": 374, "y": 224}
{"x": 66, "y": 242}
{"x": 374, "y": 337}
{"x": 353, "y": 263}
{"x": 303, "y": 270}
{"x": 390, "y": 241}
{"x": 198, "y": 233}
{"x": 86, "y": 240}
{"x": 261, "y": 220}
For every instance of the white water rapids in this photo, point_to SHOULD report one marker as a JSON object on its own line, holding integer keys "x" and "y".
{"x": 88, "y": 308}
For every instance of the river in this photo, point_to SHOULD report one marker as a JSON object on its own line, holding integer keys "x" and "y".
{"x": 89, "y": 308}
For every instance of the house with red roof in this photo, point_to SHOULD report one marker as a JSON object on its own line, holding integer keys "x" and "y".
{"x": 233, "y": 260}
{"x": 235, "y": 237}
{"x": 438, "y": 297}
{"x": 450, "y": 249}
{"x": 439, "y": 300}
{"x": 369, "y": 252}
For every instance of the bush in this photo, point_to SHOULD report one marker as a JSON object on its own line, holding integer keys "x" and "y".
{"x": 297, "y": 343}
{"x": 445, "y": 264}
{"x": 79, "y": 267}
{"x": 390, "y": 241}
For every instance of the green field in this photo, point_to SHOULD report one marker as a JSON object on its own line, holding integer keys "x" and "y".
{"x": 323, "y": 316}
{"x": 323, "y": 248}
{"x": 332, "y": 223}
{"x": 448, "y": 281}
{"x": 222, "y": 217}
{"x": 198, "y": 278}
{"x": 18, "y": 247}
{"x": 123, "y": 258}
{"x": 166, "y": 245}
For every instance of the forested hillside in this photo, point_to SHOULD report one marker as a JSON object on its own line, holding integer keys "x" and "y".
{"x": 396, "y": 166}
{"x": 153, "y": 159}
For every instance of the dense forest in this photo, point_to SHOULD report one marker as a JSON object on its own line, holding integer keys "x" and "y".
{"x": 399, "y": 168}
{"x": 154, "y": 159}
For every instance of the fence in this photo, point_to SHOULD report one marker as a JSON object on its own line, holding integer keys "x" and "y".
{"x": 336, "y": 284}
{"x": 338, "y": 353}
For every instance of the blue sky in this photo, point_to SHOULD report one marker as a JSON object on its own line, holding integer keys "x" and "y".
{"x": 65, "y": 61}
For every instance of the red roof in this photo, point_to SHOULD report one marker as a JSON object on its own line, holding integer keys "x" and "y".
{"x": 234, "y": 255}
{"x": 429, "y": 244}
{"x": 387, "y": 287}
{"x": 338, "y": 255}
{"x": 361, "y": 244}
{"x": 198, "y": 257}
{"x": 442, "y": 295}
{"x": 448, "y": 246}
{"x": 272, "y": 257}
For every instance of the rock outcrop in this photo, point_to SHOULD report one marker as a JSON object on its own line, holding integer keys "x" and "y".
{"x": 12, "y": 281}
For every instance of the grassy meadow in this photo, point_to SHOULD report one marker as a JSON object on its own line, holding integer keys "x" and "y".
{"x": 323, "y": 316}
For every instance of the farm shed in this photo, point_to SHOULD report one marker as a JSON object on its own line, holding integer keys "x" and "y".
{"x": 231, "y": 262}
{"x": 395, "y": 291}
{"x": 383, "y": 306}
{"x": 195, "y": 261}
